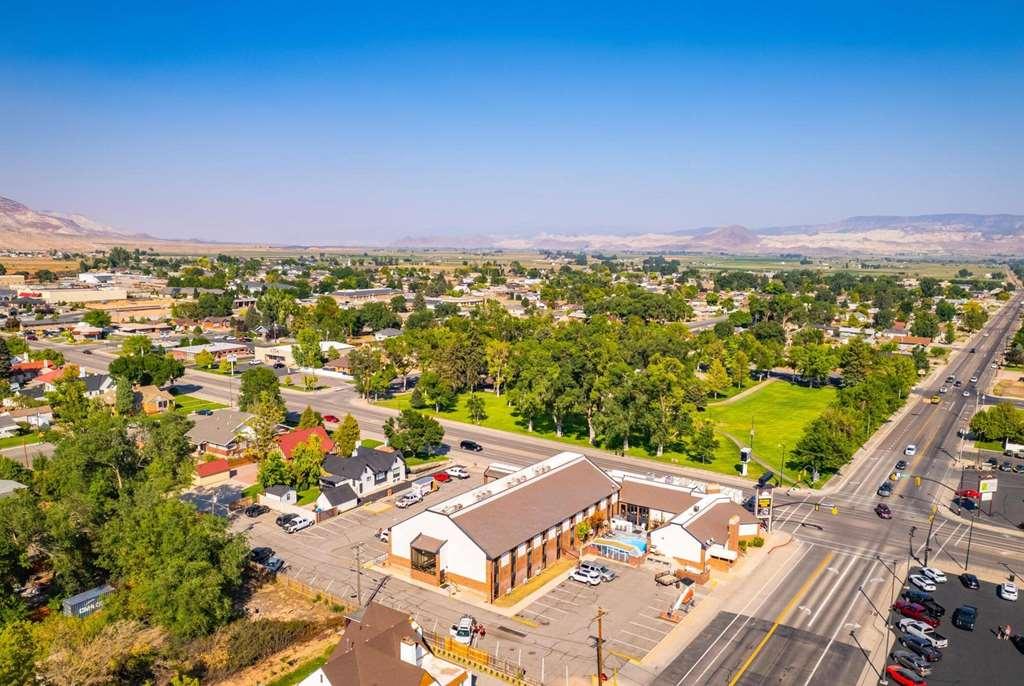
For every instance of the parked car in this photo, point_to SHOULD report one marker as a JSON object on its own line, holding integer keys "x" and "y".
{"x": 273, "y": 564}
{"x": 915, "y": 611}
{"x": 601, "y": 570}
{"x": 407, "y": 499}
{"x": 918, "y": 628}
{"x": 933, "y": 608}
{"x": 911, "y": 661}
{"x": 921, "y": 647}
{"x": 1018, "y": 468}
{"x": 331, "y": 419}
{"x": 457, "y": 471}
{"x": 910, "y": 450}
{"x": 261, "y": 554}
{"x": 442, "y": 477}
{"x": 934, "y": 574}
{"x": 969, "y": 581}
{"x": 463, "y": 631}
{"x": 298, "y": 524}
{"x": 903, "y": 676}
{"x": 384, "y": 535}
{"x": 1006, "y": 466}
{"x": 965, "y": 617}
{"x": 205, "y": 412}
{"x": 471, "y": 445}
{"x": 922, "y": 582}
{"x": 1008, "y": 591}
{"x": 256, "y": 510}
{"x": 883, "y": 511}
{"x": 885, "y": 490}
{"x": 590, "y": 578}
{"x": 285, "y": 519}
{"x": 916, "y": 596}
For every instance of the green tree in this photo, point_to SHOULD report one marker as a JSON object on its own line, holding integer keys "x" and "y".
{"x": 717, "y": 378}
{"x": 435, "y": 391}
{"x": 167, "y": 453}
{"x": 346, "y": 436}
{"x": 704, "y": 443}
{"x": 945, "y": 311}
{"x": 999, "y": 423}
{"x": 307, "y": 350}
{"x": 17, "y": 653}
{"x": 973, "y": 316}
{"x": 175, "y": 568}
{"x": 498, "y": 354}
{"x": 268, "y": 413}
{"x": 305, "y": 463}
{"x": 224, "y": 366}
{"x": 310, "y": 418}
{"x": 136, "y": 346}
{"x": 68, "y": 396}
{"x": 257, "y": 382}
{"x": 476, "y": 408}
{"x": 813, "y": 362}
{"x": 124, "y": 398}
{"x": 400, "y": 355}
{"x": 273, "y": 471}
{"x": 925, "y": 324}
{"x": 310, "y": 382}
{"x": 950, "y": 332}
{"x": 5, "y": 360}
{"x": 664, "y": 392}
{"x": 99, "y": 318}
{"x": 739, "y": 368}
{"x": 204, "y": 359}
{"x": 366, "y": 362}
{"x": 416, "y": 400}
{"x": 414, "y": 433}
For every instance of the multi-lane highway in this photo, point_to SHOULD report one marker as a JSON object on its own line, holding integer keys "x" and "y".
{"x": 796, "y": 626}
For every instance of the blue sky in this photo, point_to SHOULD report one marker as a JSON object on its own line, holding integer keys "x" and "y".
{"x": 348, "y": 124}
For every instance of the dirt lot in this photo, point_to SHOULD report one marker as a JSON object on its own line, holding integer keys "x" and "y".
{"x": 1008, "y": 383}
{"x": 34, "y": 264}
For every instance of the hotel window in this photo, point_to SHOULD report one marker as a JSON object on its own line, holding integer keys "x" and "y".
{"x": 552, "y": 532}
{"x": 538, "y": 541}
{"x": 505, "y": 559}
{"x": 615, "y": 498}
{"x": 590, "y": 510}
{"x": 578, "y": 518}
{"x": 521, "y": 550}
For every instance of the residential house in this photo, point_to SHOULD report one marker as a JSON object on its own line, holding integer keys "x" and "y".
{"x": 219, "y": 350}
{"x": 360, "y": 296}
{"x": 288, "y": 442}
{"x": 495, "y": 537}
{"x": 37, "y": 417}
{"x": 216, "y": 325}
{"x": 278, "y": 495}
{"x": 8, "y": 427}
{"x": 385, "y": 646}
{"x": 337, "y": 499}
{"x": 385, "y": 334}
{"x": 225, "y": 432}
{"x": 152, "y": 400}
{"x": 212, "y": 472}
{"x": 367, "y": 471}
{"x": 23, "y": 372}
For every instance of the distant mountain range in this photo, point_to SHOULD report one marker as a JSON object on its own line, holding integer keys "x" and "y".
{"x": 22, "y": 228}
{"x": 930, "y": 234}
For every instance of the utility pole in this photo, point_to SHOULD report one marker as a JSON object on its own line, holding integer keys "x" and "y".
{"x": 970, "y": 535}
{"x": 358, "y": 547}
{"x": 600, "y": 641}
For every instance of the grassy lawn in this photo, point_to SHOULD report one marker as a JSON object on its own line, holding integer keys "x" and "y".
{"x": 302, "y": 670}
{"x": 997, "y": 446}
{"x": 15, "y": 441}
{"x": 186, "y": 404}
{"x": 252, "y": 491}
{"x": 417, "y": 461}
{"x": 307, "y": 496}
{"x": 371, "y": 443}
{"x": 780, "y": 411}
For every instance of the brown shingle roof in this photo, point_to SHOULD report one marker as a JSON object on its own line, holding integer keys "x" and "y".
{"x": 656, "y": 496}
{"x": 714, "y": 522}
{"x": 427, "y": 544}
{"x": 369, "y": 654}
{"x": 502, "y": 522}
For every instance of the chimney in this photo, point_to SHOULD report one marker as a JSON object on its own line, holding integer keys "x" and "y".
{"x": 355, "y": 450}
{"x": 411, "y": 652}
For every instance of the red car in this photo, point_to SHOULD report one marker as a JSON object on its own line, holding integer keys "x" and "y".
{"x": 883, "y": 511}
{"x": 968, "y": 493}
{"x": 331, "y": 419}
{"x": 903, "y": 676}
{"x": 441, "y": 477}
{"x": 915, "y": 611}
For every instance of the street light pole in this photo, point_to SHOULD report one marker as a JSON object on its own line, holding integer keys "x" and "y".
{"x": 970, "y": 536}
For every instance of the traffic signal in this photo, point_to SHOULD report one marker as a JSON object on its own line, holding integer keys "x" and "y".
{"x": 817, "y": 507}
{"x": 835, "y": 509}
{"x": 917, "y": 481}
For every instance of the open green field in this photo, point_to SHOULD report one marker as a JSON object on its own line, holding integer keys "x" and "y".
{"x": 780, "y": 410}
{"x": 187, "y": 404}
{"x": 778, "y": 413}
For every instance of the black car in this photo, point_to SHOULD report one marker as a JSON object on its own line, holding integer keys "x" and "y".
{"x": 921, "y": 647}
{"x": 256, "y": 510}
{"x": 933, "y": 608}
{"x": 972, "y": 350}
{"x": 916, "y": 596}
{"x": 965, "y": 617}
{"x": 970, "y": 581}
{"x": 885, "y": 490}
{"x": 273, "y": 564}
{"x": 261, "y": 555}
{"x": 958, "y": 383}
{"x": 471, "y": 445}
{"x": 901, "y": 465}
{"x": 205, "y": 412}
{"x": 282, "y": 520}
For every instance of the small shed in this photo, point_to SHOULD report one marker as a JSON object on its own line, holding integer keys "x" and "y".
{"x": 280, "y": 494}
{"x": 86, "y": 602}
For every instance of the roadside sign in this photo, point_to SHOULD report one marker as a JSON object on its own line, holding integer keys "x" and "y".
{"x": 987, "y": 486}
{"x": 987, "y": 495}
{"x": 764, "y": 502}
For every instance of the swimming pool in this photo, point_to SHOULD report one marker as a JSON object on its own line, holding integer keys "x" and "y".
{"x": 638, "y": 544}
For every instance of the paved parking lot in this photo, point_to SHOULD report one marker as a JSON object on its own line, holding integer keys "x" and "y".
{"x": 977, "y": 657}
{"x": 1007, "y": 505}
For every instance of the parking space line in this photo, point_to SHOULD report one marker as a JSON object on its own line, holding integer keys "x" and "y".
{"x": 642, "y": 638}
{"x": 655, "y": 629}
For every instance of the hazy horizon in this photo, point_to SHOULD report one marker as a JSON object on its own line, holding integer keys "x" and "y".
{"x": 351, "y": 124}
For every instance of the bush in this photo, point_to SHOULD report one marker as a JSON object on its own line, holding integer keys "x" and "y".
{"x": 416, "y": 400}
{"x": 756, "y": 542}
{"x": 252, "y": 642}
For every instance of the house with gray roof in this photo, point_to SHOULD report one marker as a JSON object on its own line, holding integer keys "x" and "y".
{"x": 224, "y": 432}
{"x": 9, "y": 487}
{"x": 367, "y": 471}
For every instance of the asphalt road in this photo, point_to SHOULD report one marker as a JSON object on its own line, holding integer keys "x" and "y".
{"x": 812, "y": 625}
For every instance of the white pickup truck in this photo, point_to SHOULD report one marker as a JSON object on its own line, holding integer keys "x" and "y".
{"x": 924, "y": 632}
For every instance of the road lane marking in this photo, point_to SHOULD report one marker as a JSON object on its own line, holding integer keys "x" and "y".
{"x": 835, "y": 587}
{"x": 797, "y": 597}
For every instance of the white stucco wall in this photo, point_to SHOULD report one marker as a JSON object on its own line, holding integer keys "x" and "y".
{"x": 459, "y": 555}
{"x": 673, "y": 540}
